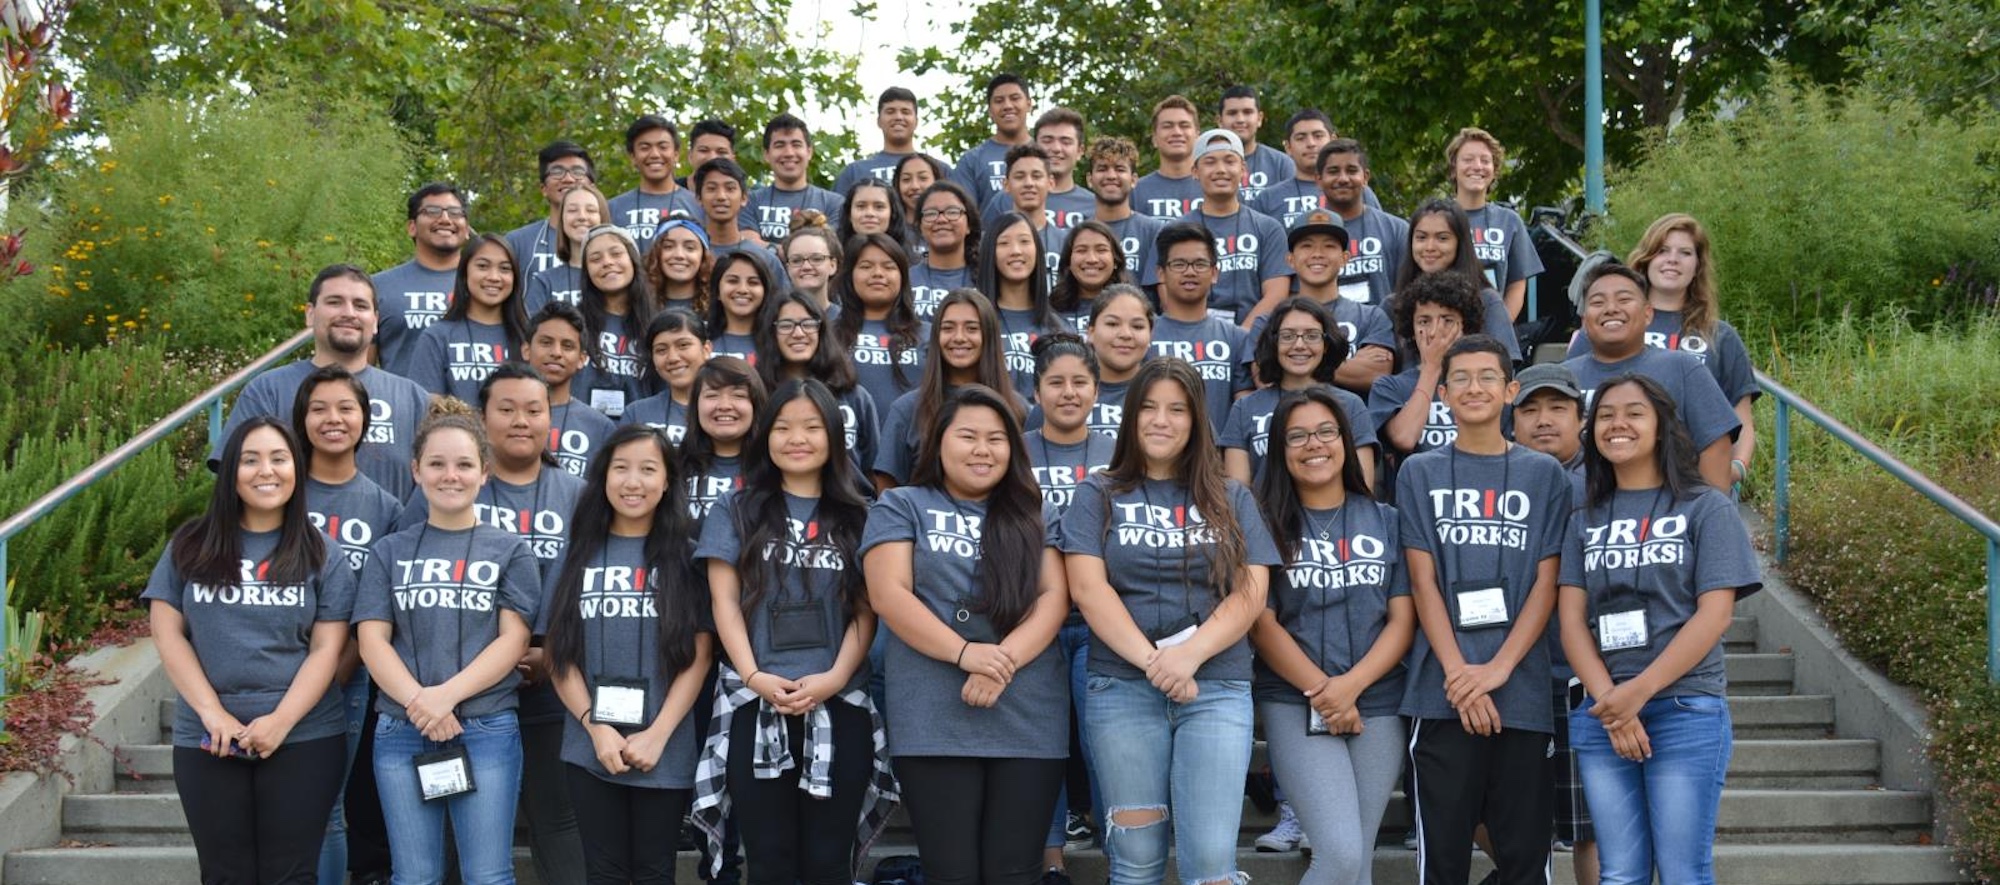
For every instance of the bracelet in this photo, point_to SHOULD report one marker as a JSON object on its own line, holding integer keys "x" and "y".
{"x": 1742, "y": 471}
{"x": 960, "y": 661}
{"x": 753, "y": 674}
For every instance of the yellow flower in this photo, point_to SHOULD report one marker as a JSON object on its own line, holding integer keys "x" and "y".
{"x": 263, "y": 244}
{"x": 270, "y": 182}
{"x": 166, "y": 326}
{"x": 107, "y": 166}
{"x": 166, "y": 198}
{"x": 131, "y": 325}
{"x": 111, "y": 318}
{"x": 82, "y": 286}
{"x": 249, "y": 296}
{"x": 329, "y": 238}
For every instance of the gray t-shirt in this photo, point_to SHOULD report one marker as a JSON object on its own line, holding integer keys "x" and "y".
{"x": 768, "y": 211}
{"x": 928, "y": 286}
{"x": 861, "y": 426}
{"x": 1645, "y": 551}
{"x": 1725, "y": 356}
{"x": 1104, "y": 416}
{"x": 1362, "y": 324}
{"x": 983, "y": 170}
{"x": 661, "y": 411}
{"x": 1249, "y": 426}
{"x": 396, "y": 405}
{"x": 1494, "y": 322}
{"x": 452, "y": 358}
{"x": 1293, "y": 197}
{"x": 738, "y": 345}
{"x": 1263, "y": 167}
{"x": 781, "y": 279}
{"x": 1164, "y": 198}
{"x": 1018, "y": 332}
{"x": 1250, "y": 247}
{"x": 810, "y": 571}
{"x": 1375, "y": 244}
{"x": 621, "y": 644}
{"x": 879, "y": 167}
{"x": 1064, "y": 210}
{"x": 353, "y": 513}
{"x": 563, "y": 283}
{"x": 1137, "y": 235}
{"x": 723, "y": 475}
{"x": 538, "y": 512}
{"x": 1061, "y": 467}
{"x": 1501, "y": 243}
{"x": 576, "y": 432}
{"x": 641, "y": 214}
{"x": 442, "y": 590}
{"x": 898, "y": 455}
{"x": 1487, "y": 521}
{"x": 930, "y": 718}
{"x": 1387, "y": 397}
{"x": 534, "y": 247}
{"x": 1219, "y": 351}
{"x": 1333, "y": 598}
{"x": 623, "y": 363}
{"x": 252, "y": 638}
{"x": 1156, "y": 548}
{"x": 1705, "y": 412}
{"x": 408, "y": 299}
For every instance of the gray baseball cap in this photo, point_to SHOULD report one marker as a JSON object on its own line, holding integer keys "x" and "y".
{"x": 1217, "y": 140}
{"x": 1547, "y": 376}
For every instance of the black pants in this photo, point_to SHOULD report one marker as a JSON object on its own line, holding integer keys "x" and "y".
{"x": 980, "y": 820}
{"x": 1503, "y": 781}
{"x": 367, "y": 834}
{"x": 260, "y": 821}
{"x": 789, "y": 836}
{"x": 629, "y": 833}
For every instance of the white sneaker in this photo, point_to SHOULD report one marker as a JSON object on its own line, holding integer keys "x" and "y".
{"x": 1286, "y": 836}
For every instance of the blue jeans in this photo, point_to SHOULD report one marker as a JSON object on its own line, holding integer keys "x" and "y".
{"x": 1074, "y": 643}
{"x": 333, "y": 852}
{"x": 1659, "y": 814}
{"x": 482, "y": 820}
{"x": 1185, "y": 762}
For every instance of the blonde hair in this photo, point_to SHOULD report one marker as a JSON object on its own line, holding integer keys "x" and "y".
{"x": 1700, "y": 311}
{"x": 563, "y": 244}
{"x": 452, "y": 413}
{"x": 1458, "y": 143}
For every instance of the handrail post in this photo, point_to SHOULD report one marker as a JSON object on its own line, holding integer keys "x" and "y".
{"x": 215, "y": 424}
{"x": 1781, "y": 506}
{"x": 3, "y": 609}
{"x": 1992, "y": 609}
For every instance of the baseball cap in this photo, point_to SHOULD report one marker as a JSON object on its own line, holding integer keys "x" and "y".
{"x": 1317, "y": 221}
{"x": 1217, "y": 140}
{"x": 1547, "y": 376}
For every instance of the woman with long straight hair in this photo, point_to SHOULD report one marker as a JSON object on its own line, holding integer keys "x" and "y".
{"x": 678, "y": 342}
{"x": 875, "y": 320}
{"x": 1330, "y": 647}
{"x": 1652, "y": 567}
{"x": 795, "y": 341}
{"x": 1013, "y": 276}
{"x": 914, "y": 175}
{"x": 484, "y": 326}
{"x": 1092, "y": 258}
{"x": 1440, "y": 240}
{"x": 738, "y": 292}
{"x": 728, "y": 397}
{"x": 1168, "y": 559}
{"x": 963, "y": 570}
{"x": 617, "y": 302}
{"x": 249, "y": 605}
{"x": 1300, "y": 347}
{"x": 629, "y": 657}
{"x": 965, "y": 349}
{"x": 678, "y": 266}
{"x": 1121, "y": 334}
{"x": 871, "y": 207}
{"x": 948, "y": 219}
{"x": 443, "y": 612}
{"x": 795, "y": 744}
{"x": 581, "y": 208}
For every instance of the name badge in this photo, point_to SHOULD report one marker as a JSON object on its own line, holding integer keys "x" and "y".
{"x": 1183, "y": 635}
{"x": 1356, "y": 292}
{"x": 1617, "y": 631}
{"x": 619, "y": 704}
{"x": 1485, "y": 607}
{"x": 610, "y": 402}
{"x": 444, "y": 773}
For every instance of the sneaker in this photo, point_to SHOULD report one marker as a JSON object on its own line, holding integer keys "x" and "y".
{"x": 1563, "y": 846}
{"x": 1053, "y": 876}
{"x": 1077, "y": 832}
{"x": 1410, "y": 841}
{"x": 1286, "y": 836}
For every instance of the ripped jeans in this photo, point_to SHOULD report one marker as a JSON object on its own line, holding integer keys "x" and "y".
{"x": 1180, "y": 764}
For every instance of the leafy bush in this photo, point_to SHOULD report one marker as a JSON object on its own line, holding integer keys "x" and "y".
{"x": 201, "y": 222}
{"x": 1820, "y": 206}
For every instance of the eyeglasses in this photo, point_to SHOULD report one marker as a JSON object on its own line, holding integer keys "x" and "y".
{"x": 553, "y": 173}
{"x": 1200, "y": 265}
{"x": 1327, "y": 434}
{"x": 1294, "y": 336}
{"x": 1462, "y": 380}
{"x": 801, "y": 260}
{"x": 442, "y": 212}
{"x": 952, "y": 213}
{"x": 793, "y": 327}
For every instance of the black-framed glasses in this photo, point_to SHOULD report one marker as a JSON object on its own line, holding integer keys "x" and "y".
{"x": 1327, "y": 434}
{"x": 793, "y": 327}
{"x": 1294, "y": 336}
{"x": 435, "y": 212}
{"x": 949, "y": 213}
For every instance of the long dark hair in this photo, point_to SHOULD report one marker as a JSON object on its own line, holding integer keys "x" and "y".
{"x": 1679, "y": 460}
{"x": 845, "y": 223}
{"x": 1464, "y": 262}
{"x": 638, "y": 295}
{"x": 718, "y": 318}
{"x": 902, "y": 322}
{"x": 760, "y": 512}
{"x": 678, "y": 593}
{"x": 987, "y": 275}
{"x": 656, "y": 268}
{"x": 1278, "y": 492}
{"x": 990, "y": 370}
{"x": 1331, "y": 356}
{"x": 1199, "y": 466}
{"x": 970, "y": 248}
{"x": 1067, "y": 296}
{"x": 829, "y": 362}
{"x": 302, "y": 402}
{"x": 697, "y": 450}
{"x": 209, "y": 548}
{"x": 513, "y": 316}
{"x": 1011, "y": 538}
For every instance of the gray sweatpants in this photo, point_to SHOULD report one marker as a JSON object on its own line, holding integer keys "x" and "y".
{"x": 1339, "y": 787}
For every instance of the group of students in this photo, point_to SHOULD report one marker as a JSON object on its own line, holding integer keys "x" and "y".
{"x": 778, "y": 550}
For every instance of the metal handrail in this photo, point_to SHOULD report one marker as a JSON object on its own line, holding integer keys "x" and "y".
{"x": 210, "y": 399}
{"x": 1788, "y": 402}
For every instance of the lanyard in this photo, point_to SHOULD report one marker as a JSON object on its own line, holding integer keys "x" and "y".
{"x": 458, "y": 650}
{"x": 1457, "y": 553}
{"x": 1608, "y": 585}
{"x": 606, "y": 603}
{"x": 797, "y": 551}
{"x": 1187, "y": 594}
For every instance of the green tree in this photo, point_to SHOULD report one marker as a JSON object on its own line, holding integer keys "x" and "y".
{"x": 1944, "y": 53}
{"x": 478, "y": 85}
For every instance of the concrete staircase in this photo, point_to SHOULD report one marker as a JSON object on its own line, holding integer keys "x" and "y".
{"x": 1803, "y": 806}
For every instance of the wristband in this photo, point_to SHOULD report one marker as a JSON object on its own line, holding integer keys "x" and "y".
{"x": 753, "y": 674}
{"x": 960, "y": 660}
{"x": 1742, "y": 471}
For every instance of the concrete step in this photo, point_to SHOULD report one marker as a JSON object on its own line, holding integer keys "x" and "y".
{"x": 127, "y": 819}
{"x": 1739, "y": 864}
{"x": 1787, "y": 716}
{"x": 1847, "y": 817}
{"x": 1821, "y": 764}
{"x": 1758, "y": 674}
{"x": 1741, "y": 635}
{"x": 146, "y": 768}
